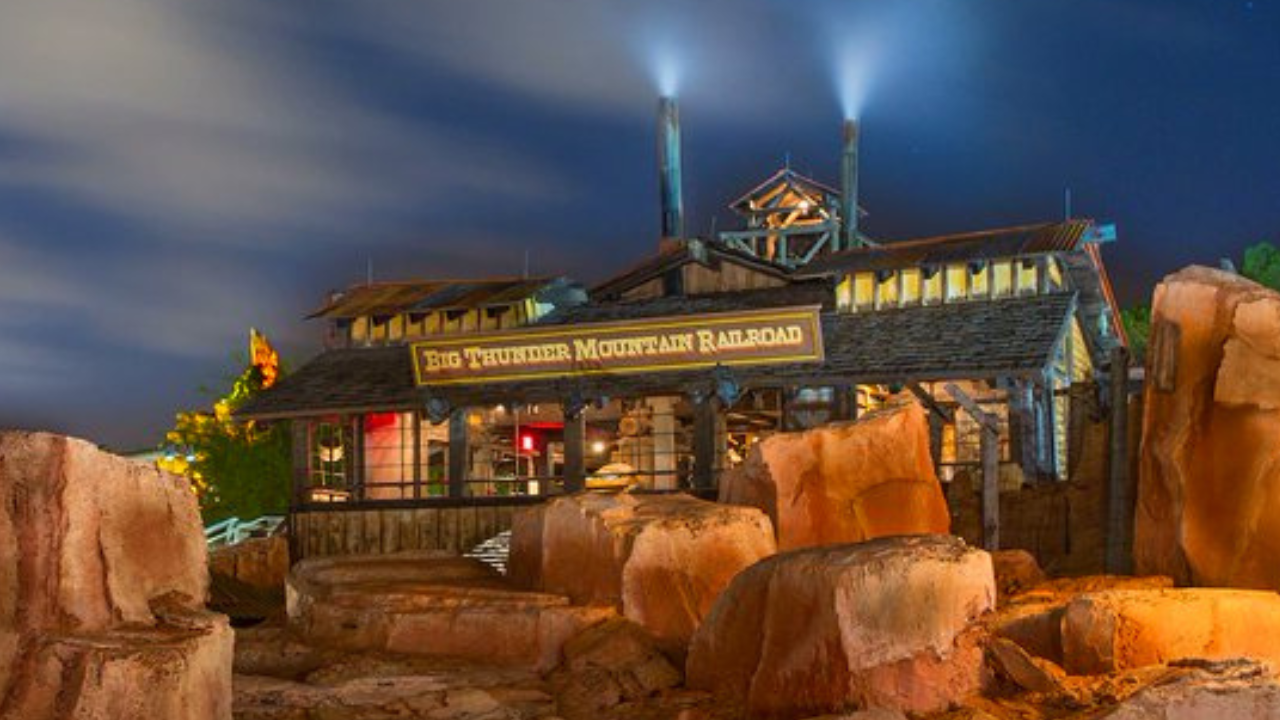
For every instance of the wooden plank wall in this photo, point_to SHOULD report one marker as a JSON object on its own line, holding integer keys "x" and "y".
{"x": 382, "y": 531}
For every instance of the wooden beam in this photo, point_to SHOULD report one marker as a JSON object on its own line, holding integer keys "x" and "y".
{"x": 575, "y": 441}
{"x": 704, "y": 442}
{"x": 459, "y": 452}
{"x": 1119, "y": 490}
{"x": 945, "y": 414}
{"x": 990, "y": 450}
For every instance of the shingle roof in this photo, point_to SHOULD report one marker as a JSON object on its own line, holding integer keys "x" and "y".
{"x": 985, "y": 245}
{"x": 1014, "y": 336}
{"x": 710, "y": 254}
{"x": 391, "y": 298}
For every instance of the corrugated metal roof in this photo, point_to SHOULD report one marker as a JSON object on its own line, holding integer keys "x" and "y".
{"x": 391, "y": 298}
{"x": 708, "y": 253}
{"x": 985, "y": 245}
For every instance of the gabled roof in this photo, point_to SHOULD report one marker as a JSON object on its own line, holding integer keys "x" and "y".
{"x": 788, "y": 177}
{"x": 392, "y": 298}
{"x": 709, "y": 253}
{"x": 971, "y": 340}
{"x": 1016, "y": 241}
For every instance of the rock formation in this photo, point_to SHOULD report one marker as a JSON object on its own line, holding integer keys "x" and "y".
{"x": 1122, "y": 629}
{"x": 430, "y": 603}
{"x": 887, "y": 623}
{"x": 1208, "y": 509}
{"x": 261, "y": 563}
{"x": 845, "y": 483}
{"x": 102, "y": 588}
{"x": 661, "y": 559}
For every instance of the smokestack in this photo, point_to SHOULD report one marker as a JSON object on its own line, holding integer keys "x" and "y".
{"x": 671, "y": 193}
{"x": 849, "y": 187}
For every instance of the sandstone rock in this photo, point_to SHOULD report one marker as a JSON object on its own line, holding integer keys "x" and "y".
{"x": 1030, "y": 673}
{"x": 102, "y": 588}
{"x": 608, "y": 664}
{"x": 662, "y": 559}
{"x": 430, "y": 603}
{"x": 1120, "y": 629}
{"x": 1208, "y": 508}
{"x": 1242, "y": 692}
{"x": 1016, "y": 572}
{"x": 887, "y": 623}
{"x": 1033, "y": 619}
{"x": 845, "y": 483}
{"x": 261, "y": 563}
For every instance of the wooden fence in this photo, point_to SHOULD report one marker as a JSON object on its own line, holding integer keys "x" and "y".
{"x": 320, "y": 531}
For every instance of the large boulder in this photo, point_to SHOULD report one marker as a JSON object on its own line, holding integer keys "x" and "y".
{"x": 430, "y": 603}
{"x": 845, "y": 483}
{"x": 1208, "y": 508}
{"x": 661, "y": 559}
{"x": 102, "y": 589}
{"x": 888, "y": 623}
{"x": 1122, "y": 629}
{"x": 260, "y": 563}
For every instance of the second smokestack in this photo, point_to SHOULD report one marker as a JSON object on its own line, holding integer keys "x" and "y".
{"x": 849, "y": 237}
{"x": 669, "y": 172}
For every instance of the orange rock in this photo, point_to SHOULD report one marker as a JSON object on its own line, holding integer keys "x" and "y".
{"x": 1016, "y": 571}
{"x": 103, "y": 579}
{"x": 1208, "y": 508}
{"x": 430, "y": 603}
{"x": 886, "y": 623}
{"x": 258, "y": 562}
{"x": 845, "y": 483}
{"x": 1122, "y": 629}
{"x": 661, "y": 559}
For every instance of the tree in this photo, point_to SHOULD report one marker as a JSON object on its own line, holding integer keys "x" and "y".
{"x": 1262, "y": 264}
{"x": 1137, "y": 325}
{"x": 238, "y": 469}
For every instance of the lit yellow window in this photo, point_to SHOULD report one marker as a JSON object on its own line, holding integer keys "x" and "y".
{"x": 931, "y": 287}
{"x": 911, "y": 286}
{"x": 1003, "y": 278}
{"x": 957, "y": 282}
{"x": 1026, "y": 270}
{"x": 395, "y": 328}
{"x": 844, "y": 294}
{"x": 978, "y": 285}
{"x": 864, "y": 291}
{"x": 360, "y": 329}
{"x": 887, "y": 291}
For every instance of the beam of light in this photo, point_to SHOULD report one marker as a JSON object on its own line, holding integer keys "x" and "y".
{"x": 853, "y": 68}
{"x": 664, "y": 66}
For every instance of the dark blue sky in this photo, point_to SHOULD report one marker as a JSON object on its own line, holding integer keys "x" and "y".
{"x": 173, "y": 173}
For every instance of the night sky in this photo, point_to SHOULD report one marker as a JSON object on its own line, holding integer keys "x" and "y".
{"x": 172, "y": 173}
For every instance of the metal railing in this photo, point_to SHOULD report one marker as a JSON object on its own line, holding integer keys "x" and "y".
{"x": 233, "y": 530}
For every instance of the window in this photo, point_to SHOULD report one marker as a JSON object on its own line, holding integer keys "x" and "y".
{"x": 886, "y": 289}
{"x": 1002, "y": 278}
{"x": 910, "y": 286}
{"x": 864, "y": 291}
{"x": 931, "y": 285}
{"x": 957, "y": 283}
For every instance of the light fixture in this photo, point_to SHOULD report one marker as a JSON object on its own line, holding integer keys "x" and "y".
{"x": 804, "y": 206}
{"x": 598, "y": 447}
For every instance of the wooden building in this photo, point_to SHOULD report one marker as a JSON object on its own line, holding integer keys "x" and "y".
{"x": 439, "y": 406}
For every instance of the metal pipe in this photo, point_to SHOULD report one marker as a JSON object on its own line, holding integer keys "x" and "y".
{"x": 848, "y": 237}
{"x": 670, "y": 190}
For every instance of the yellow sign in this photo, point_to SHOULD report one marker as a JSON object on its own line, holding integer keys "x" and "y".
{"x": 774, "y": 336}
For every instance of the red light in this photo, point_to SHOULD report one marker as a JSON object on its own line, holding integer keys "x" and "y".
{"x": 526, "y": 443}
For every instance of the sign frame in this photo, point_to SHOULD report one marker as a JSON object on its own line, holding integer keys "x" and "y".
{"x": 806, "y": 316}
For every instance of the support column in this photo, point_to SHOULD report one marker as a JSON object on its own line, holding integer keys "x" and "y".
{"x": 459, "y": 452}
{"x": 301, "y": 450}
{"x": 663, "y": 431}
{"x": 706, "y": 451}
{"x": 575, "y": 437}
{"x": 989, "y": 447}
{"x": 1119, "y": 490}
{"x": 1024, "y": 426}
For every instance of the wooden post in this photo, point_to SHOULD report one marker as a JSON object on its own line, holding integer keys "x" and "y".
{"x": 989, "y": 445}
{"x": 1119, "y": 495}
{"x": 575, "y": 437}
{"x": 459, "y": 452}
{"x": 301, "y": 430}
{"x": 417, "y": 454}
{"x": 704, "y": 442}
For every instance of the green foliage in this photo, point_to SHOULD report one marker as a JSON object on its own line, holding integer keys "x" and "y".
{"x": 238, "y": 469}
{"x": 1137, "y": 325}
{"x": 1262, "y": 264}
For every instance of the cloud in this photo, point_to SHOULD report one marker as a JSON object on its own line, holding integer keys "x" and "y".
{"x": 218, "y": 123}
